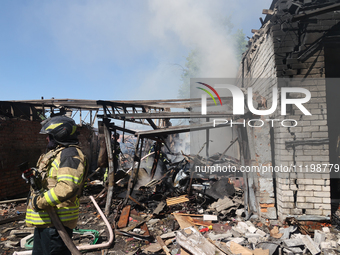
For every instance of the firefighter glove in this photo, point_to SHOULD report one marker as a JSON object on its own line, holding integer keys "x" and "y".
{"x": 35, "y": 199}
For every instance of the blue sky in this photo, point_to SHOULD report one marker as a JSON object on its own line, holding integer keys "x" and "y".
{"x": 114, "y": 50}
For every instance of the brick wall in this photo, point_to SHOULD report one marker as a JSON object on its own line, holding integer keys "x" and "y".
{"x": 20, "y": 141}
{"x": 259, "y": 73}
{"x": 280, "y": 51}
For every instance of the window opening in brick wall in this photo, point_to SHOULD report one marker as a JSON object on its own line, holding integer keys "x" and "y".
{"x": 332, "y": 67}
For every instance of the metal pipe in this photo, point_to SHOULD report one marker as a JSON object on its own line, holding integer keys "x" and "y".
{"x": 13, "y": 200}
{"x": 89, "y": 246}
{"x": 111, "y": 167}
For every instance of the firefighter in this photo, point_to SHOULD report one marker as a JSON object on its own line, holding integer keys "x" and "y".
{"x": 163, "y": 158}
{"x": 63, "y": 170}
{"x": 115, "y": 150}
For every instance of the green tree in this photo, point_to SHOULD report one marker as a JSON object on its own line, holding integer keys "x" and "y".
{"x": 240, "y": 43}
{"x": 191, "y": 70}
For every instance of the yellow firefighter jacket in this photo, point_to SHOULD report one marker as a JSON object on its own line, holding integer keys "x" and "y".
{"x": 62, "y": 171}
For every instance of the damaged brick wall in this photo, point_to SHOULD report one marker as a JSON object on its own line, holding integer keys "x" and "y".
{"x": 260, "y": 62}
{"x": 20, "y": 141}
{"x": 291, "y": 46}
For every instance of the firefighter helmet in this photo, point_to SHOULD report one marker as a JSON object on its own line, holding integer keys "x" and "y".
{"x": 62, "y": 128}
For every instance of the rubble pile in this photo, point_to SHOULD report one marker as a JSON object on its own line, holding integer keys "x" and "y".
{"x": 176, "y": 213}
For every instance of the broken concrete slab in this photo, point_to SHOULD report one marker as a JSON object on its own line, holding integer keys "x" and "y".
{"x": 326, "y": 229}
{"x": 241, "y": 227}
{"x": 293, "y": 242}
{"x": 293, "y": 250}
{"x": 319, "y": 237}
{"x": 250, "y": 235}
{"x": 222, "y": 204}
{"x": 311, "y": 245}
{"x": 169, "y": 235}
{"x": 235, "y": 240}
{"x": 152, "y": 221}
{"x": 287, "y": 231}
{"x": 272, "y": 247}
{"x": 261, "y": 233}
{"x": 253, "y": 240}
{"x": 195, "y": 242}
{"x": 325, "y": 245}
{"x": 220, "y": 236}
{"x": 252, "y": 230}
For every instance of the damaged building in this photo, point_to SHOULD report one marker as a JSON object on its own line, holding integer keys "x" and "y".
{"x": 297, "y": 46}
{"x": 260, "y": 212}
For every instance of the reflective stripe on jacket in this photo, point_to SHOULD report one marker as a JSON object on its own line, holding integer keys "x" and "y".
{"x": 63, "y": 171}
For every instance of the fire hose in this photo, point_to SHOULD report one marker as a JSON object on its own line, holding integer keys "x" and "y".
{"x": 62, "y": 232}
{"x": 87, "y": 247}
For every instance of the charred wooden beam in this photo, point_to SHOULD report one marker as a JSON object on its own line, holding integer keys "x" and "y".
{"x": 179, "y": 129}
{"x": 152, "y": 124}
{"x": 267, "y": 12}
{"x": 168, "y": 115}
{"x": 316, "y": 12}
{"x": 155, "y": 161}
{"x": 112, "y": 126}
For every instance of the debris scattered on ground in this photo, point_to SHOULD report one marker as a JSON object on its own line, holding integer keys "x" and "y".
{"x": 177, "y": 213}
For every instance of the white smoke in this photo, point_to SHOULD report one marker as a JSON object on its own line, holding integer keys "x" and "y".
{"x": 133, "y": 46}
{"x": 193, "y": 24}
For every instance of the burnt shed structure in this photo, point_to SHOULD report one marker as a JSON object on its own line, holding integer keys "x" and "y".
{"x": 297, "y": 46}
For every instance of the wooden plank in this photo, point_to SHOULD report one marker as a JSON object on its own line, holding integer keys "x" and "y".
{"x": 189, "y": 214}
{"x": 124, "y": 217}
{"x": 239, "y": 249}
{"x": 202, "y": 223}
{"x": 261, "y": 252}
{"x": 177, "y": 200}
{"x": 162, "y": 244}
